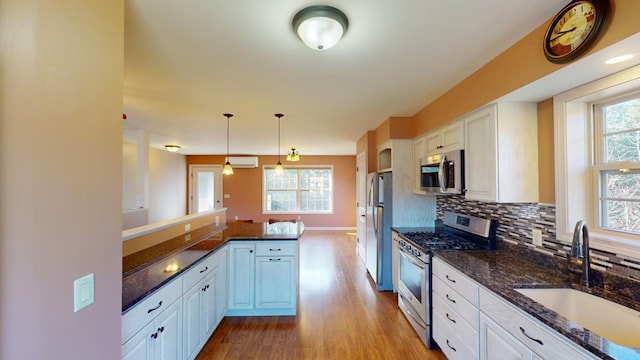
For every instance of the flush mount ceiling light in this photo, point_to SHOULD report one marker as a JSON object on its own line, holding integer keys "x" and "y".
{"x": 293, "y": 155}
{"x": 320, "y": 27}
{"x": 172, "y": 148}
{"x": 227, "y": 169}
{"x": 278, "y": 169}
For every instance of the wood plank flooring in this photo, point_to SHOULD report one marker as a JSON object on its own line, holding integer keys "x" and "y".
{"x": 340, "y": 314}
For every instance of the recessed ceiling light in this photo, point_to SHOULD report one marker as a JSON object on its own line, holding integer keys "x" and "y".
{"x": 618, "y": 59}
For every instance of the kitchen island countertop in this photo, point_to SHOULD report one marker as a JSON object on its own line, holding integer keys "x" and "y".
{"x": 144, "y": 271}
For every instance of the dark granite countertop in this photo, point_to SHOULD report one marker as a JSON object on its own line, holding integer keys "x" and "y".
{"x": 144, "y": 272}
{"x": 503, "y": 270}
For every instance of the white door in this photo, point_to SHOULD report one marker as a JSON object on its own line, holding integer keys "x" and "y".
{"x": 205, "y": 188}
{"x": 361, "y": 201}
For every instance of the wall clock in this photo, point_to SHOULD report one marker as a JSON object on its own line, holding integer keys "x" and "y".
{"x": 574, "y": 29}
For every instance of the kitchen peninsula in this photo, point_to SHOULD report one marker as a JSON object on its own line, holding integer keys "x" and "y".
{"x": 175, "y": 293}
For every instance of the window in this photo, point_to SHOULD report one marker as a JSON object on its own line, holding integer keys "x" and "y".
{"x": 298, "y": 190}
{"x": 617, "y": 144}
{"x": 597, "y": 161}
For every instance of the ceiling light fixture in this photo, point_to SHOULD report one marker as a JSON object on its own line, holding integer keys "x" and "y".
{"x": 293, "y": 155}
{"x": 618, "y": 59}
{"x": 172, "y": 148}
{"x": 320, "y": 27}
{"x": 279, "y": 169}
{"x": 227, "y": 169}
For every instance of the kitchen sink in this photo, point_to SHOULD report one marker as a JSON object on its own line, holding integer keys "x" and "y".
{"x": 614, "y": 322}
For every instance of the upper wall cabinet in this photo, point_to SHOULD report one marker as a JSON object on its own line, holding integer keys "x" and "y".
{"x": 419, "y": 152}
{"x": 447, "y": 138}
{"x": 501, "y": 153}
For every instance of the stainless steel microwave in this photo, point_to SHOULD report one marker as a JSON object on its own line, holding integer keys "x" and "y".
{"x": 443, "y": 173}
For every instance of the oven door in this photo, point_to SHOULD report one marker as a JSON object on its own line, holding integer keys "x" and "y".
{"x": 413, "y": 283}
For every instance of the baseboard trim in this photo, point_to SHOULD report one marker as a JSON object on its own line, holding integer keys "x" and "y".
{"x": 331, "y": 228}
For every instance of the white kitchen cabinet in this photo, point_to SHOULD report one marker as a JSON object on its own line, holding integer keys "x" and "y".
{"x": 242, "y": 275}
{"x": 419, "y": 151}
{"x": 523, "y": 331}
{"x": 159, "y": 339}
{"x": 275, "y": 282}
{"x": 501, "y": 153}
{"x": 395, "y": 260}
{"x": 200, "y": 317}
{"x": 222, "y": 291}
{"x": 263, "y": 278}
{"x": 447, "y": 138}
{"x": 497, "y": 343}
{"x": 455, "y": 312}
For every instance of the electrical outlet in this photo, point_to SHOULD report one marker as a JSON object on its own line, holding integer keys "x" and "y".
{"x": 299, "y": 217}
{"x": 187, "y": 227}
{"x": 187, "y": 237}
{"x": 217, "y": 220}
{"x": 536, "y": 235}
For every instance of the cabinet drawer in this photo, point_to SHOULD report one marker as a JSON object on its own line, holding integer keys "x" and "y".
{"x": 277, "y": 248}
{"x": 144, "y": 312}
{"x": 460, "y": 342}
{"x": 458, "y": 282}
{"x": 199, "y": 271}
{"x": 536, "y": 336}
{"x": 456, "y": 302}
{"x": 459, "y": 328}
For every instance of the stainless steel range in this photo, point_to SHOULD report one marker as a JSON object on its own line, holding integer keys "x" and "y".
{"x": 455, "y": 232}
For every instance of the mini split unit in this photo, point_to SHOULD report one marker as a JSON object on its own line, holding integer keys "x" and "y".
{"x": 243, "y": 162}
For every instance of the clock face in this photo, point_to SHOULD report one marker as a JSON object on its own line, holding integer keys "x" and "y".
{"x": 574, "y": 29}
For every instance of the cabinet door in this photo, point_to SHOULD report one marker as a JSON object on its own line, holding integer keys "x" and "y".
{"x": 433, "y": 143}
{"x": 496, "y": 343}
{"x": 242, "y": 275}
{"x": 192, "y": 319}
{"x": 140, "y": 345}
{"x": 208, "y": 305}
{"x": 275, "y": 282}
{"x": 169, "y": 329}
{"x": 418, "y": 153}
{"x": 452, "y": 136}
{"x": 222, "y": 291}
{"x": 480, "y": 155}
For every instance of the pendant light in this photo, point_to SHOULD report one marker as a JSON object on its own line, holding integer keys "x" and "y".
{"x": 227, "y": 169}
{"x": 279, "y": 169}
{"x": 293, "y": 155}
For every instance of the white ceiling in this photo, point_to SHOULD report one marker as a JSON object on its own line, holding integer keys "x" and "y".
{"x": 187, "y": 62}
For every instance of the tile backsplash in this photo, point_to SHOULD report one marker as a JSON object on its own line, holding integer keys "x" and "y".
{"x": 515, "y": 225}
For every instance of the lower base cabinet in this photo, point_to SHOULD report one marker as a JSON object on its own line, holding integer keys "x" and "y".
{"x": 159, "y": 339}
{"x": 244, "y": 278}
{"x": 263, "y": 278}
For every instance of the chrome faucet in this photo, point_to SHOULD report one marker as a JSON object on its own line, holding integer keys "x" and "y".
{"x": 579, "y": 261}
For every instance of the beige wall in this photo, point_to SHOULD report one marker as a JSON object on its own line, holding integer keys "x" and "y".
{"x": 245, "y": 190}
{"x": 546, "y": 171}
{"x": 60, "y": 177}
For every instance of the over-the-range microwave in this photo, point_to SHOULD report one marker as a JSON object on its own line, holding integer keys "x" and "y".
{"x": 443, "y": 173}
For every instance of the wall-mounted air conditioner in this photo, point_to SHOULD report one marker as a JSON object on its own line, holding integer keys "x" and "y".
{"x": 243, "y": 162}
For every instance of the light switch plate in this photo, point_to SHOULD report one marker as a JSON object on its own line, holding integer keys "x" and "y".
{"x": 82, "y": 292}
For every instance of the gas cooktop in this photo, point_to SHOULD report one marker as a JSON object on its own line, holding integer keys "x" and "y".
{"x": 440, "y": 241}
{"x": 455, "y": 232}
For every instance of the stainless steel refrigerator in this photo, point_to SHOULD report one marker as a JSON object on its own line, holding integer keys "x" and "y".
{"x": 379, "y": 221}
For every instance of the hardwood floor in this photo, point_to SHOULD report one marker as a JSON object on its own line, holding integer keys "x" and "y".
{"x": 340, "y": 314}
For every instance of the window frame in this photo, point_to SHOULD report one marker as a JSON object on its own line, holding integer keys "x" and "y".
{"x": 602, "y": 167}
{"x": 298, "y": 190}
{"x": 577, "y": 180}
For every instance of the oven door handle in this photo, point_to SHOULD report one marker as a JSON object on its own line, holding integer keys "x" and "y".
{"x": 410, "y": 259}
{"x": 408, "y": 312}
